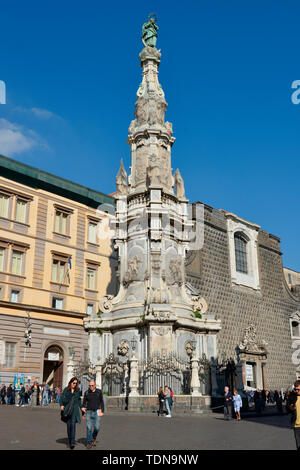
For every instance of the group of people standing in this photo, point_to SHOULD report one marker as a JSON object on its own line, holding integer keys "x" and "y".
{"x": 165, "y": 397}
{"x": 24, "y": 396}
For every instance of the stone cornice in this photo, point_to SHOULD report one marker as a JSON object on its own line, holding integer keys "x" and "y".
{"x": 38, "y": 309}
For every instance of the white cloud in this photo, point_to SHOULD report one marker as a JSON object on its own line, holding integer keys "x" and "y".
{"x": 15, "y": 139}
{"x": 37, "y": 112}
{"x": 43, "y": 113}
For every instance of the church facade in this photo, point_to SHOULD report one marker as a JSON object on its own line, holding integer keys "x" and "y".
{"x": 239, "y": 271}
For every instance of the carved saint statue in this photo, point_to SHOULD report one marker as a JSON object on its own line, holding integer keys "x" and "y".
{"x": 121, "y": 180}
{"x": 149, "y": 36}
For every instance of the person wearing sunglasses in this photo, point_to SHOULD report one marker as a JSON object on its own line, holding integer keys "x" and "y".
{"x": 70, "y": 405}
{"x": 293, "y": 406}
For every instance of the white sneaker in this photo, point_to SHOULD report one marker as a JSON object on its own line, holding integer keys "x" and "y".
{"x": 17, "y": 405}
{"x": 168, "y": 416}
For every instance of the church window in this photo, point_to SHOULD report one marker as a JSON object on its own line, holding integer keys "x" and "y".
{"x": 240, "y": 253}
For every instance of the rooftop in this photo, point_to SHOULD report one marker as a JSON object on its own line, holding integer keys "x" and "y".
{"x": 39, "y": 179}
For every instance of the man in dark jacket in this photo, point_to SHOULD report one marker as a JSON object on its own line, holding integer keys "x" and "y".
{"x": 227, "y": 404}
{"x": 293, "y": 406}
{"x": 93, "y": 406}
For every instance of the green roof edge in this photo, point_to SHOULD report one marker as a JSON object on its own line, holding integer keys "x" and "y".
{"x": 40, "y": 179}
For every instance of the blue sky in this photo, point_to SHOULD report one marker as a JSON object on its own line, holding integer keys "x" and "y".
{"x": 72, "y": 71}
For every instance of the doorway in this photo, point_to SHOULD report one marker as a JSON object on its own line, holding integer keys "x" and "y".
{"x": 53, "y": 367}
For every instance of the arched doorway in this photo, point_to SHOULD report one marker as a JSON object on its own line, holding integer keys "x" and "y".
{"x": 53, "y": 366}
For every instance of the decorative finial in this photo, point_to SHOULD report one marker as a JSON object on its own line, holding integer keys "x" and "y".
{"x": 149, "y": 29}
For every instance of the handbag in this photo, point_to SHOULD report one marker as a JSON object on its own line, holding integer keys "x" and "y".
{"x": 66, "y": 414}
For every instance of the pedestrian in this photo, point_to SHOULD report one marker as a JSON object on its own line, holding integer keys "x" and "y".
{"x": 70, "y": 404}
{"x": 167, "y": 394}
{"x": 45, "y": 394}
{"x": 161, "y": 400}
{"x": 3, "y": 394}
{"x": 21, "y": 396}
{"x": 227, "y": 404}
{"x": 9, "y": 394}
{"x": 293, "y": 406}
{"x": 57, "y": 394}
{"x": 93, "y": 407}
{"x": 237, "y": 404}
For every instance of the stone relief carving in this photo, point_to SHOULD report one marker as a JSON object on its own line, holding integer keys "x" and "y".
{"x": 175, "y": 270}
{"x": 133, "y": 269}
{"x": 158, "y": 295}
{"x": 250, "y": 343}
{"x": 123, "y": 348}
{"x": 188, "y": 348}
{"x": 162, "y": 331}
{"x": 153, "y": 171}
{"x": 105, "y": 303}
{"x": 199, "y": 304}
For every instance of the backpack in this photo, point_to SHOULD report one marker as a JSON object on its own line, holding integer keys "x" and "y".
{"x": 172, "y": 394}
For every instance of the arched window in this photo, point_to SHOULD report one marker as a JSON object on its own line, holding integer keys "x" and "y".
{"x": 240, "y": 245}
{"x": 295, "y": 329}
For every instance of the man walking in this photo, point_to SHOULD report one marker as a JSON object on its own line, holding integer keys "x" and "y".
{"x": 293, "y": 406}
{"x": 228, "y": 398}
{"x": 93, "y": 406}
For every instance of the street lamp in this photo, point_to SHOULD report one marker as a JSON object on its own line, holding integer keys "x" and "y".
{"x": 133, "y": 343}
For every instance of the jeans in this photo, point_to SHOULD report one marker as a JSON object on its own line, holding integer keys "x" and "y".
{"x": 71, "y": 429}
{"x": 9, "y": 400}
{"x": 92, "y": 421}
{"x": 168, "y": 406}
{"x": 45, "y": 399}
{"x": 22, "y": 399}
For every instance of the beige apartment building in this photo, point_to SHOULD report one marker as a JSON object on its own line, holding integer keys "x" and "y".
{"x": 53, "y": 270}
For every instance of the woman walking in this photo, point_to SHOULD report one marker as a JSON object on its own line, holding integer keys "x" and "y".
{"x": 161, "y": 400}
{"x": 70, "y": 405}
{"x": 237, "y": 404}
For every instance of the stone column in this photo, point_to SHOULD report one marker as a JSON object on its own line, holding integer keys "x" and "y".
{"x": 195, "y": 381}
{"x": 134, "y": 376}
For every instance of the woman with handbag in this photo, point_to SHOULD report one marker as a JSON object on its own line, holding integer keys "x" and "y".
{"x": 70, "y": 405}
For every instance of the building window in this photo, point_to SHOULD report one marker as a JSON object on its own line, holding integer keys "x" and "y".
{"x": 240, "y": 245}
{"x": 2, "y": 254}
{"x": 58, "y": 271}
{"x": 295, "y": 329}
{"x": 21, "y": 207}
{"x": 61, "y": 220}
{"x": 57, "y": 303}
{"x": 85, "y": 355}
{"x": 10, "y": 355}
{"x": 91, "y": 278}
{"x": 90, "y": 309}
{"x": 92, "y": 232}
{"x": 14, "y": 296}
{"x": 17, "y": 259}
{"x": 290, "y": 278}
{"x": 4, "y": 204}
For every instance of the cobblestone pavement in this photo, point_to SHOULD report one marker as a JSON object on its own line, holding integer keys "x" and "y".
{"x": 41, "y": 429}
